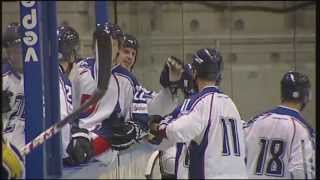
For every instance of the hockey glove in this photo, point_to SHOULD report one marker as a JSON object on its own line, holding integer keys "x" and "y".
{"x": 12, "y": 162}
{"x": 6, "y": 95}
{"x": 79, "y": 148}
{"x": 154, "y": 135}
{"x": 171, "y": 73}
{"x": 124, "y": 134}
{"x": 154, "y": 121}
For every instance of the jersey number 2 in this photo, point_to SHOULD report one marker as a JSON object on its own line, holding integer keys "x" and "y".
{"x": 232, "y": 124}
{"x": 275, "y": 163}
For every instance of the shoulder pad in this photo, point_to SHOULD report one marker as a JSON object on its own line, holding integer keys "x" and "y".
{"x": 87, "y": 64}
{"x": 119, "y": 70}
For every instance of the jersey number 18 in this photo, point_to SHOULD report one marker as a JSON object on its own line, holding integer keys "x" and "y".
{"x": 274, "y": 164}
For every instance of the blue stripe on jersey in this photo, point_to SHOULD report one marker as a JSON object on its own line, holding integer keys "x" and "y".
{"x": 67, "y": 88}
{"x": 88, "y": 63}
{"x": 64, "y": 77}
{"x": 297, "y": 116}
{"x": 188, "y": 106}
{"x": 7, "y": 70}
{"x": 284, "y": 111}
{"x": 197, "y": 97}
{"x": 138, "y": 101}
{"x": 119, "y": 70}
{"x": 14, "y": 148}
{"x": 197, "y": 152}
{"x": 174, "y": 114}
{"x": 179, "y": 147}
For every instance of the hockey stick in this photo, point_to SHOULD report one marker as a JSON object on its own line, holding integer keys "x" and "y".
{"x": 104, "y": 58}
{"x": 151, "y": 163}
{"x": 304, "y": 160}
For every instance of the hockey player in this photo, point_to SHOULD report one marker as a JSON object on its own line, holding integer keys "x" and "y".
{"x": 127, "y": 55}
{"x": 12, "y": 83}
{"x": 68, "y": 47}
{"x": 119, "y": 118}
{"x": 12, "y": 162}
{"x": 208, "y": 124}
{"x": 163, "y": 102}
{"x": 12, "y": 75}
{"x": 280, "y": 143}
{"x": 109, "y": 115}
{"x": 167, "y": 158}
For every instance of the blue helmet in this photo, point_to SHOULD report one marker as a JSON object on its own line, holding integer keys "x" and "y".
{"x": 295, "y": 86}
{"x": 12, "y": 35}
{"x": 68, "y": 42}
{"x": 208, "y": 63}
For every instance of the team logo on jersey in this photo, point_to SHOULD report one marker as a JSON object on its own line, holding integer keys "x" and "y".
{"x": 16, "y": 114}
{"x": 69, "y": 97}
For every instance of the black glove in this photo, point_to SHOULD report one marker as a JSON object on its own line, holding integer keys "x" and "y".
{"x": 79, "y": 149}
{"x": 124, "y": 134}
{"x": 165, "y": 80}
{"x": 154, "y": 121}
{"x": 6, "y": 95}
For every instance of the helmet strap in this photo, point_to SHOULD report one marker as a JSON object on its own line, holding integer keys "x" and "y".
{"x": 194, "y": 83}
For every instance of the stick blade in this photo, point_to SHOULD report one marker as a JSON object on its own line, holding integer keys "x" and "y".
{"x": 104, "y": 59}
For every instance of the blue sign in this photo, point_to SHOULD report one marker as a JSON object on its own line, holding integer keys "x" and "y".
{"x": 33, "y": 78}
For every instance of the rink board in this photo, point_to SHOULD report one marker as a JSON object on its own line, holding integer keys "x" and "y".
{"x": 131, "y": 165}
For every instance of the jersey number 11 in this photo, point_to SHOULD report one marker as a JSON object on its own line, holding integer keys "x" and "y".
{"x": 227, "y": 125}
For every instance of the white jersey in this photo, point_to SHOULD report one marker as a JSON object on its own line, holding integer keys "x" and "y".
{"x": 101, "y": 110}
{"x": 178, "y": 167}
{"x": 15, "y": 118}
{"x": 209, "y": 124}
{"x": 65, "y": 93}
{"x": 124, "y": 98}
{"x": 162, "y": 103}
{"x": 14, "y": 130}
{"x": 275, "y": 148}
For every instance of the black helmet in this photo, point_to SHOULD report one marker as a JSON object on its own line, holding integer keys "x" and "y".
{"x": 68, "y": 41}
{"x": 110, "y": 29}
{"x": 208, "y": 64}
{"x": 295, "y": 86}
{"x": 12, "y": 35}
{"x": 129, "y": 41}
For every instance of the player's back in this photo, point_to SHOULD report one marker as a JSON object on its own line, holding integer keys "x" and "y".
{"x": 226, "y": 146}
{"x": 270, "y": 142}
{"x": 219, "y": 151}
